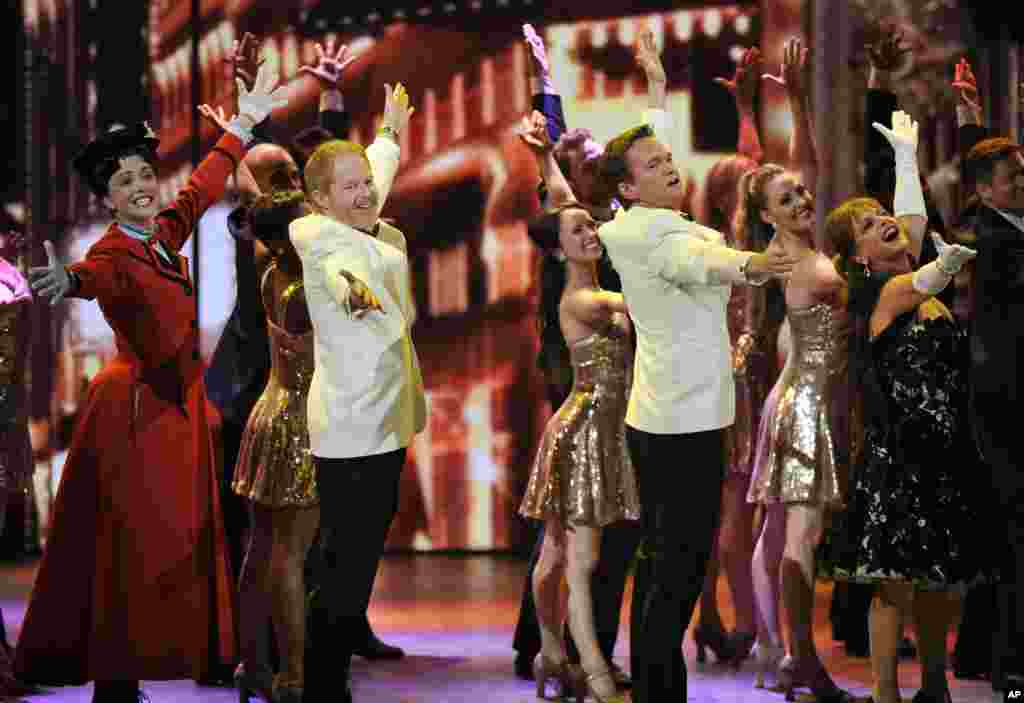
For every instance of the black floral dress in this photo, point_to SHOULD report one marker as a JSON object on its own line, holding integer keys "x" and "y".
{"x": 919, "y": 493}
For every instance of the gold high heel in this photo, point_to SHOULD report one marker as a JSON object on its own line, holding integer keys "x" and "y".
{"x": 767, "y": 657}
{"x": 589, "y": 689}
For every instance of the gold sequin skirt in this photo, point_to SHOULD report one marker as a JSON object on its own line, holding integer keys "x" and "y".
{"x": 275, "y": 466}
{"x": 582, "y": 473}
{"x": 796, "y": 460}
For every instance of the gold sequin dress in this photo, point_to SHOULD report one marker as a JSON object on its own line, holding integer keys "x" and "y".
{"x": 582, "y": 473}
{"x": 275, "y": 468}
{"x": 800, "y": 455}
{"x": 15, "y": 450}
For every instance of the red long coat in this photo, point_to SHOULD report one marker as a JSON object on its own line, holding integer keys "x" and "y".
{"x": 134, "y": 583}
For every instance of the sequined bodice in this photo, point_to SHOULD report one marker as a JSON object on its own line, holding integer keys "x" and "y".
{"x": 819, "y": 339}
{"x": 291, "y": 355}
{"x": 13, "y": 355}
{"x": 602, "y": 359}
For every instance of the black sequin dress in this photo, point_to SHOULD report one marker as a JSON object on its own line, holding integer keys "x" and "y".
{"x": 919, "y": 491}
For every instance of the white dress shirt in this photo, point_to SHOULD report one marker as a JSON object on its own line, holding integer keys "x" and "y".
{"x": 366, "y": 396}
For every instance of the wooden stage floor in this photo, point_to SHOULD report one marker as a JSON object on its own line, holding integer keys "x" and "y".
{"x": 454, "y": 615}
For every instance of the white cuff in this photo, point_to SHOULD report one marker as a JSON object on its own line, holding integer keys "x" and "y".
{"x": 236, "y": 128}
{"x": 930, "y": 279}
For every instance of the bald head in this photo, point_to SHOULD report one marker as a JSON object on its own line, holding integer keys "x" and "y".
{"x": 273, "y": 168}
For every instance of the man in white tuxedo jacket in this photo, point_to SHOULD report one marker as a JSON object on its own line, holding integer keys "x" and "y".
{"x": 676, "y": 279}
{"x": 366, "y": 400}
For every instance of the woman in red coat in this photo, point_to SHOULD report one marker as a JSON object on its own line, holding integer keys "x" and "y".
{"x": 134, "y": 583}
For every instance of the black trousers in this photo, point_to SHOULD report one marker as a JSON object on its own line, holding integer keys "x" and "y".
{"x": 679, "y": 478}
{"x": 618, "y": 547}
{"x": 358, "y": 501}
{"x": 1002, "y": 450}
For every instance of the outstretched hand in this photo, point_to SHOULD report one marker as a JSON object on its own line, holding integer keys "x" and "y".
{"x": 397, "y": 111}
{"x": 329, "y": 64}
{"x": 218, "y": 116}
{"x": 649, "y": 58}
{"x": 245, "y": 59}
{"x": 794, "y": 59}
{"x": 952, "y": 257}
{"x": 967, "y": 86}
{"x": 903, "y": 134}
{"x": 538, "y": 54}
{"x": 51, "y": 281}
{"x": 743, "y": 85}
{"x": 534, "y": 131}
{"x": 263, "y": 99}
{"x": 887, "y": 53}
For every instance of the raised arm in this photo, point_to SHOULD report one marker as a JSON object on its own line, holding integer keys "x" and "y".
{"x": 328, "y": 69}
{"x": 535, "y": 134}
{"x": 546, "y": 99}
{"x": 802, "y": 153}
{"x": 743, "y": 88}
{"x": 908, "y": 198}
{"x": 884, "y": 57}
{"x": 385, "y": 152}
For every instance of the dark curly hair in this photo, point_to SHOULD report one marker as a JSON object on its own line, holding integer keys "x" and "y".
{"x": 271, "y": 213}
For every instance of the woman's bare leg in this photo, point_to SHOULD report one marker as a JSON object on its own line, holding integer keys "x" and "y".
{"x": 547, "y": 591}
{"x": 583, "y": 547}
{"x": 736, "y": 549}
{"x": 765, "y": 570}
{"x": 253, "y": 594}
{"x": 885, "y": 626}
{"x": 293, "y": 533}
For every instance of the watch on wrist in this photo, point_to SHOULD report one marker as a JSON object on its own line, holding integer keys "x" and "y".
{"x": 389, "y": 131}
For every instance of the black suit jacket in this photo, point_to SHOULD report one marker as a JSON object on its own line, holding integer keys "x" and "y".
{"x": 997, "y": 330}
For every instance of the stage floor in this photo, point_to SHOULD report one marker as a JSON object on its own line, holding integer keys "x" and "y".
{"x": 454, "y": 616}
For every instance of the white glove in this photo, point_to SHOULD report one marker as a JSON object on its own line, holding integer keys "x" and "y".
{"x": 933, "y": 278}
{"x": 51, "y": 281}
{"x": 263, "y": 99}
{"x": 909, "y": 197}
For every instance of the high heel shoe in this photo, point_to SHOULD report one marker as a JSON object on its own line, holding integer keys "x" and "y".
{"x": 259, "y": 681}
{"x": 717, "y": 640}
{"x": 589, "y": 689}
{"x": 567, "y": 682}
{"x": 767, "y": 658}
{"x": 809, "y": 673}
{"x": 742, "y": 645}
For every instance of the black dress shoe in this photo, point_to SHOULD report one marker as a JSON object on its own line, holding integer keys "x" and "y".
{"x": 374, "y": 649}
{"x": 524, "y": 666}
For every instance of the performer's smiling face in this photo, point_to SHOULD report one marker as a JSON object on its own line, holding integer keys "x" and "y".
{"x": 132, "y": 192}
{"x": 789, "y": 205}
{"x": 883, "y": 242}
{"x": 352, "y": 196}
{"x": 654, "y": 180}
{"x": 577, "y": 236}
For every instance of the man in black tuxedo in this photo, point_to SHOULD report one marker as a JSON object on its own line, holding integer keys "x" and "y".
{"x": 995, "y": 166}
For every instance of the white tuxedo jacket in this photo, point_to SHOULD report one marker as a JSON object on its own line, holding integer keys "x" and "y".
{"x": 676, "y": 279}
{"x": 367, "y": 393}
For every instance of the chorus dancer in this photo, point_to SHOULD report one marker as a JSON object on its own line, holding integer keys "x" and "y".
{"x": 137, "y": 521}
{"x": 915, "y": 498}
{"x": 366, "y": 399}
{"x": 569, "y": 171}
{"x": 755, "y": 317}
{"x": 582, "y": 479}
{"x": 677, "y": 276}
{"x": 802, "y": 442}
{"x": 15, "y": 449}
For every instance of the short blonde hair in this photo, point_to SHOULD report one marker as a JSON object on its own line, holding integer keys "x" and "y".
{"x": 319, "y": 172}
